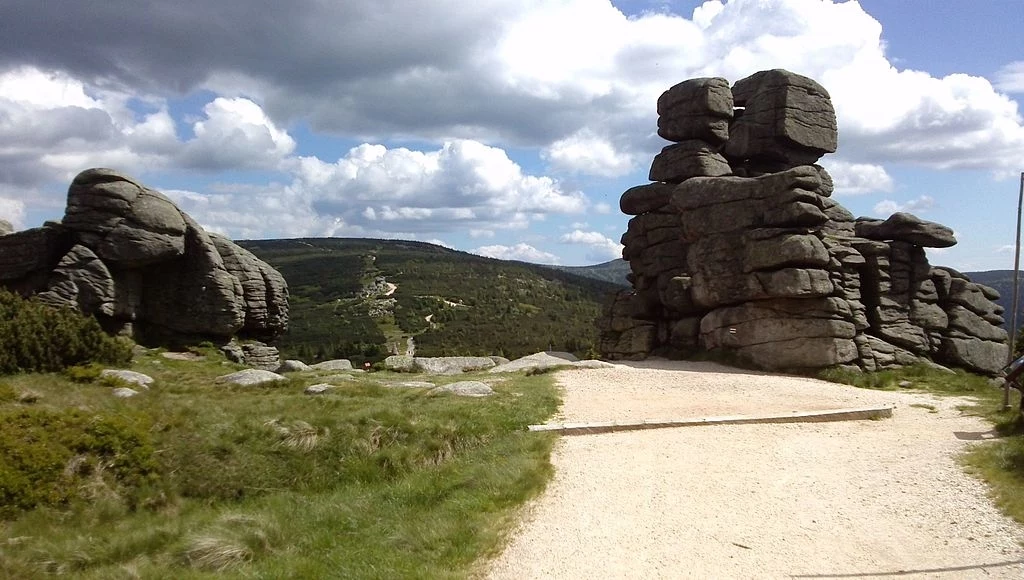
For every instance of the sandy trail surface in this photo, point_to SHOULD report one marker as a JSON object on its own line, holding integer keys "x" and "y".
{"x": 859, "y": 499}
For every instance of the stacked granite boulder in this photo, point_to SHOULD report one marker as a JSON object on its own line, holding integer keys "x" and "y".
{"x": 738, "y": 247}
{"x": 144, "y": 268}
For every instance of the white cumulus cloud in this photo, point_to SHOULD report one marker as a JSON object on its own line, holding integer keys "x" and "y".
{"x": 585, "y": 152}
{"x": 13, "y": 211}
{"x": 888, "y": 207}
{"x": 236, "y": 133}
{"x": 857, "y": 178}
{"x": 463, "y": 184}
{"x": 600, "y": 247}
{"x": 1010, "y": 77}
{"x": 521, "y": 252}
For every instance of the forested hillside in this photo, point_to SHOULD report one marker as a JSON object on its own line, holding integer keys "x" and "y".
{"x": 613, "y": 271}
{"x": 363, "y": 299}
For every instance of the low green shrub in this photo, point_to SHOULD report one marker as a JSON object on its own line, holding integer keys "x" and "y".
{"x": 51, "y": 458}
{"x": 83, "y": 373}
{"x": 36, "y": 337}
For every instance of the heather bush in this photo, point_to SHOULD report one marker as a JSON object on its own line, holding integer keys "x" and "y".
{"x": 50, "y": 457}
{"x": 38, "y": 338}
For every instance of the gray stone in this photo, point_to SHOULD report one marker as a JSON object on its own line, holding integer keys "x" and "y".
{"x": 696, "y": 109}
{"x": 409, "y": 384}
{"x": 293, "y": 366}
{"x": 128, "y": 255}
{"x": 537, "y": 360}
{"x": 250, "y": 377}
{"x": 765, "y": 265}
{"x": 341, "y": 364}
{"x": 906, "y": 227}
{"x": 679, "y": 162}
{"x": 399, "y": 363}
{"x": 127, "y": 376}
{"x": 786, "y": 117}
{"x": 465, "y": 389}
{"x": 81, "y": 281}
{"x": 646, "y": 198}
{"x": 319, "y": 389}
{"x": 451, "y": 365}
{"x": 980, "y": 356}
{"x": 254, "y": 354}
{"x": 124, "y": 392}
{"x": 125, "y": 223}
{"x": 264, "y": 290}
{"x": 32, "y": 251}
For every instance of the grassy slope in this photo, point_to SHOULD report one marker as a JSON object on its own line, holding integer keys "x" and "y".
{"x": 477, "y": 306}
{"x": 368, "y": 481}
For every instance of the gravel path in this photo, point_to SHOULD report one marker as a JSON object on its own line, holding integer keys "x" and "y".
{"x": 860, "y": 499}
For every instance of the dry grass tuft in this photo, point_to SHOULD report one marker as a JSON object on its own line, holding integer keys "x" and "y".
{"x": 298, "y": 435}
{"x": 216, "y": 553}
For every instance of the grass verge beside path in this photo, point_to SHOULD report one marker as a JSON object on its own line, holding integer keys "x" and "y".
{"x": 1000, "y": 462}
{"x": 367, "y": 481}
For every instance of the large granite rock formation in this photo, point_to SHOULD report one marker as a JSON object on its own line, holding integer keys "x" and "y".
{"x": 738, "y": 247}
{"x": 128, "y": 255}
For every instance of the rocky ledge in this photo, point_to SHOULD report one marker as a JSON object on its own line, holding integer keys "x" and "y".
{"x": 738, "y": 247}
{"x": 126, "y": 254}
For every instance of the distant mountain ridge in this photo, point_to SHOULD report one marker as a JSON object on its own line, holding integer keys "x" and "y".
{"x": 613, "y": 271}
{"x": 364, "y": 299}
{"x": 1002, "y": 281}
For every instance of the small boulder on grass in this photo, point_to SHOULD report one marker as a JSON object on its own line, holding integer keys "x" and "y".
{"x": 293, "y": 366}
{"x": 128, "y": 376}
{"x": 465, "y": 389}
{"x": 319, "y": 389}
{"x": 340, "y": 364}
{"x": 250, "y": 377}
{"x": 124, "y": 392}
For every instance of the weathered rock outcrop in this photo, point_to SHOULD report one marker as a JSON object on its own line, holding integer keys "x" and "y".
{"x": 128, "y": 255}
{"x": 738, "y": 247}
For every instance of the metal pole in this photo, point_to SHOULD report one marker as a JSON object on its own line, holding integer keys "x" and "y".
{"x": 1016, "y": 286}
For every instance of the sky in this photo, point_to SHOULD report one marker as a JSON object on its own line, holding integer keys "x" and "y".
{"x": 506, "y": 128}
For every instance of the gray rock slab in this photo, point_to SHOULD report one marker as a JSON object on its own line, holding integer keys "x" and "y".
{"x": 451, "y": 365}
{"x": 465, "y": 389}
{"x": 293, "y": 366}
{"x": 128, "y": 377}
{"x": 340, "y": 364}
{"x": 250, "y": 377}
{"x": 409, "y": 384}
{"x": 318, "y": 389}
{"x": 536, "y": 360}
{"x": 124, "y": 392}
{"x": 906, "y": 227}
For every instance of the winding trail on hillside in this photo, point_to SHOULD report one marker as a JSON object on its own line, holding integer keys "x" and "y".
{"x": 858, "y": 499}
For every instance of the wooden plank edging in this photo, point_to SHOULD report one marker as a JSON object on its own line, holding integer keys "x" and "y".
{"x": 800, "y": 417}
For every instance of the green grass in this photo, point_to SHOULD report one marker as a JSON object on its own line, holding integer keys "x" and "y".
{"x": 267, "y": 482}
{"x": 1000, "y": 463}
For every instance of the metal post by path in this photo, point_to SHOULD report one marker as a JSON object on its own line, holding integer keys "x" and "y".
{"x": 1016, "y": 286}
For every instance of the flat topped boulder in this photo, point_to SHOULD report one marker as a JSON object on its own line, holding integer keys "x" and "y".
{"x": 250, "y": 377}
{"x": 464, "y": 389}
{"x": 786, "y": 117}
{"x": 905, "y": 227}
{"x": 696, "y": 109}
{"x": 127, "y": 376}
